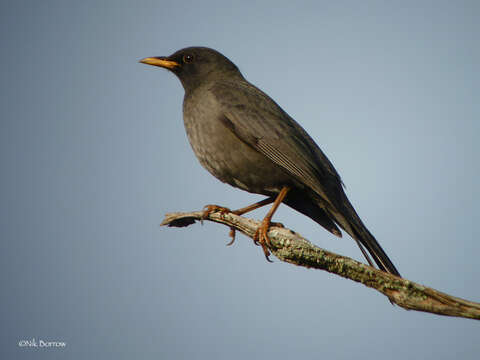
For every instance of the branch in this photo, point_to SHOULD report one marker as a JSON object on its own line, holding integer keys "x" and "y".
{"x": 290, "y": 247}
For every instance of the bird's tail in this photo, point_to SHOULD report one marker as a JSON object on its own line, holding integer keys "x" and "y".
{"x": 353, "y": 225}
{"x": 344, "y": 215}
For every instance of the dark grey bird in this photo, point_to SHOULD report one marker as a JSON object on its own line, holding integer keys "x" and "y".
{"x": 244, "y": 138}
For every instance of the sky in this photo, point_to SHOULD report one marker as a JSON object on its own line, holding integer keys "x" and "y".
{"x": 93, "y": 153}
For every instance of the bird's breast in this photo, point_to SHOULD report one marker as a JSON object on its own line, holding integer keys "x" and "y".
{"x": 224, "y": 155}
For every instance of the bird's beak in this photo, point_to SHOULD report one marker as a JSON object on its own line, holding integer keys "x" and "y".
{"x": 160, "y": 61}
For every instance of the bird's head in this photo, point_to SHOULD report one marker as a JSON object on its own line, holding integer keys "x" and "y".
{"x": 195, "y": 65}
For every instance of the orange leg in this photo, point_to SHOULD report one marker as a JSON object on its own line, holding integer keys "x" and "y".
{"x": 257, "y": 205}
{"x": 261, "y": 236}
{"x": 208, "y": 209}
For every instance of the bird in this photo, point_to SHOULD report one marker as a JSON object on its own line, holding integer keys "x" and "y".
{"x": 245, "y": 139}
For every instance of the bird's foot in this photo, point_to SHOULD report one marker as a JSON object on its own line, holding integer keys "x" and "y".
{"x": 261, "y": 238}
{"x": 209, "y": 209}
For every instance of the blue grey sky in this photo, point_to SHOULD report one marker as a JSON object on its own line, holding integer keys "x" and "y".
{"x": 93, "y": 153}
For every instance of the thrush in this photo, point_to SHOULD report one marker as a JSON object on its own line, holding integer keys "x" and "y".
{"x": 245, "y": 139}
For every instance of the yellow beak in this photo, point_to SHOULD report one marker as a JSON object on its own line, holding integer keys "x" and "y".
{"x": 162, "y": 62}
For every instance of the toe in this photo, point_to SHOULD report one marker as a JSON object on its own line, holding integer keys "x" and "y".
{"x": 209, "y": 209}
{"x": 232, "y": 235}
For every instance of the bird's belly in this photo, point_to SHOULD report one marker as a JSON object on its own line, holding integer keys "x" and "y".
{"x": 232, "y": 161}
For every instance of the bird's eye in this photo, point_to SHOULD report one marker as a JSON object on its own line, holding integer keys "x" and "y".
{"x": 187, "y": 58}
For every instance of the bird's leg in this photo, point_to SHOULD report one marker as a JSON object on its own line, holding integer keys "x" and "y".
{"x": 257, "y": 205}
{"x": 208, "y": 209}
{"x": 252, "y": 207}
{"x": 261, "y": 236}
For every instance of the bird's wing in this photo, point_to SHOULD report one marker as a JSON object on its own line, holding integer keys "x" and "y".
{"x": 259, "y": 122}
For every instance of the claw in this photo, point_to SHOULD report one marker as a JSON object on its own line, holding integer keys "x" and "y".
{"x": 267, "y": 254}
{"x": 232, "y": 235}
{"x": 261, "y": 238}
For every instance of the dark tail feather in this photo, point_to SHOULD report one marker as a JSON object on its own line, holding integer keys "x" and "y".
{"x": 379, "y": 256}
{"x": 349, "y": 221}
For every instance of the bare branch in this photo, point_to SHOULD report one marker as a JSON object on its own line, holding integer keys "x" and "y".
{"x": 290, "y": 247}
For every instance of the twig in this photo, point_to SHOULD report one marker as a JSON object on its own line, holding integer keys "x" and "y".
{"x": 290, "y": 247}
